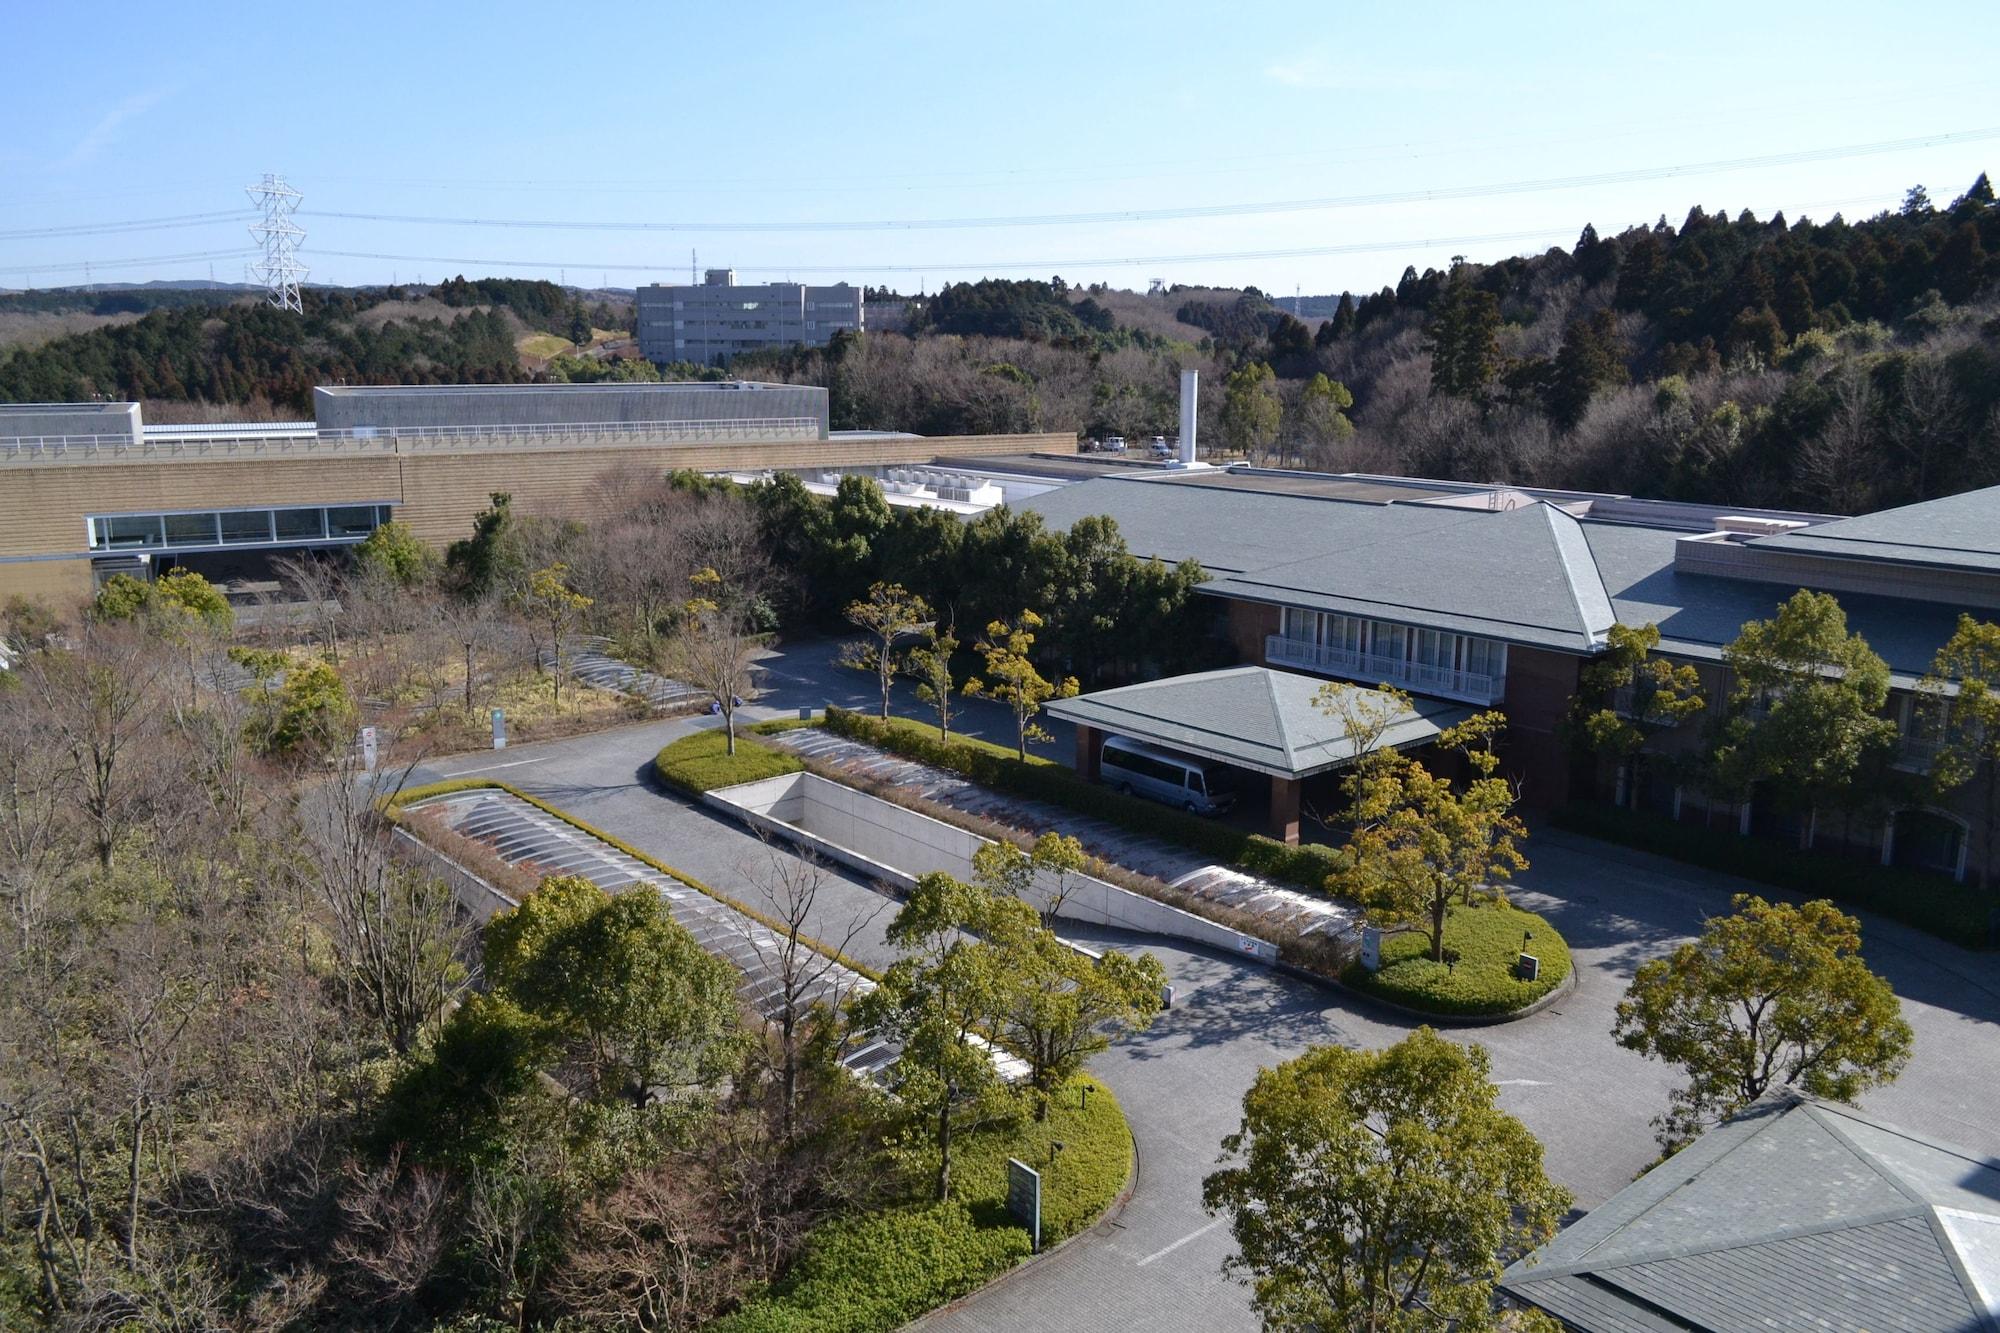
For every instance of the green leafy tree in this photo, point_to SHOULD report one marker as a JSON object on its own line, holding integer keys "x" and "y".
{"x": 948, "y": 987}
{"x": 1627, "y": 696}
{"x": 178, "y": 599}
{"x": 1062, "y": 1006}
{"x": 1323, "y": 405}
{"x": 1771, "y": 994}
{"x": 1011, "y": 677}
{"x": 1959, "y": 709}
{"x": 489, "y": 556}
{"x": 1382, "y": 1191}
{"x": 644, "y": 1011}
{"x": 1590, "y": 359}
{"x": 888, "y": 614}
{"x": 305, "y": 718}
{"x": 556, "y": 605}
{"x": 393, "y": 552}
{"x": 1463, "y": 338}
{"x": 1805, "y": 712}
{"x": 931, "y": 665}
{"x": 1251, "y": 412}
{"x": 1420, "y": 844}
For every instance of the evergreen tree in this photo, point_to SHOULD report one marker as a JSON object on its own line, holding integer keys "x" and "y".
{"x": 1589, "y": 359}
{"x": 1463, "y": 338}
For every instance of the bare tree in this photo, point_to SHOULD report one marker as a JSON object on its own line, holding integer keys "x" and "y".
{"x": 398, "y": 931}
{"x": 807, "y": 971}
{"x": 715, "y": 651}
{"x": 318, "y": 583}
{"x": 101, "y": 707}
{"x": 1838, "y": 466}
{"x": 1932, "y": 418}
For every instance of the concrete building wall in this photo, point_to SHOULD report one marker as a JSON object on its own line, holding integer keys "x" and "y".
{"x": 393, "y": 407}
{"x": 41, "y": 420}
{"x": 1540, "y": 685}
{"x": 718, "y": 320}
{"x": 436, "y": 489}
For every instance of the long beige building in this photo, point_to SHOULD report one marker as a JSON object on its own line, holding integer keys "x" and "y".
{"x": 79, "y": 501}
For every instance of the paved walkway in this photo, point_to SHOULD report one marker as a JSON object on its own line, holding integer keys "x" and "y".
{"x": 1177, "y": 866}
{"x": 530, "y": 837}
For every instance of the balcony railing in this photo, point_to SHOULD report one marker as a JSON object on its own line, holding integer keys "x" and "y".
{"x": 1368, "y": 668}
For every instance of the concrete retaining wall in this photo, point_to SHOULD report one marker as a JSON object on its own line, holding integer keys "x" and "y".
{"x": 886, "y": 842}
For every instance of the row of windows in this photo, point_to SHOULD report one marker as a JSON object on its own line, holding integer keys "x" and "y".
{"x": 234, "y": 527}
{"x": 1438, "y": 649}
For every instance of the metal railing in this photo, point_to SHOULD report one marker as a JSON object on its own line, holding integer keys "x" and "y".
{"x": 394, "y": 439}
{"x": 1471, "y": 686}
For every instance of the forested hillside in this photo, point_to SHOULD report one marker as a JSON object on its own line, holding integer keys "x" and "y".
{"x": 1829, "y": 365}
{"x": 243, "y": 352}
{"x": 1838, "y": 366}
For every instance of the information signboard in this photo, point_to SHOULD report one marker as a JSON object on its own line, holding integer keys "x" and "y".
{"x": 1024, "y": 1199}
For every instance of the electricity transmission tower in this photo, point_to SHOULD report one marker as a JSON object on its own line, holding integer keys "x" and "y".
{"x": 280, "y": 236}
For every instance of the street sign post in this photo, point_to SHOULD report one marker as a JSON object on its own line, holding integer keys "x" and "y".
{"x": 1024, "y": 1200}
{"x": 499, "y": 729}
{"x": 1371, "y": 948}
{"x": 368, "y": 752}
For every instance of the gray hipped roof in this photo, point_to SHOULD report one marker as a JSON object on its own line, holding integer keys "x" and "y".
{"x": 1956, "y": 532}
{"x": 1797, "y": 1214}
{"x": 1522, "y": 575}
{"x": 1253, "y": 717}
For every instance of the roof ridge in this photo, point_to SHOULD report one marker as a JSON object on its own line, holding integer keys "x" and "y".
{"x": 1564, "y": 539}
{"x": 1665, "y": 1252}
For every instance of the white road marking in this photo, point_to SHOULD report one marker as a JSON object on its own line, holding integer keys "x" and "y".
{"x": 1192, "y": 1235}
{"x": 488, "y": 768}
{"x": 1519, "y": 1083}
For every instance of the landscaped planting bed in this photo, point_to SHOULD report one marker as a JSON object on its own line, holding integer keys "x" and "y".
{"x": 879, "y": 1270}
{"x": 1482, "y": 983}
{"x": 702, "y": 762}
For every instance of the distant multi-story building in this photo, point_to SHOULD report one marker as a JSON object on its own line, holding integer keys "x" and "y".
{"x": 713, "y": 323}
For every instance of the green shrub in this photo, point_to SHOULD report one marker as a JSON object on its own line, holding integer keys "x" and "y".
{"x": 1041, "y": 779}
{"x": 880, "y": 1270}
{"x": 1482, "y": 982}
{"x": 702, "y": 762}
{"x": 1956, "y": 912}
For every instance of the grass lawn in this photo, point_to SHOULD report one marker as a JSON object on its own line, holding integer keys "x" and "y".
{"x": 1488, "y": 939}
{"x": 542, "y": 345}
{"x": 879, "y": 1270}
{"x": 701, "y": 762}
{"x": 532, "y": 712}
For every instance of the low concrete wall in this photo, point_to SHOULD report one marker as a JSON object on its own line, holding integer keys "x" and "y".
{"x": 886, "y": 842}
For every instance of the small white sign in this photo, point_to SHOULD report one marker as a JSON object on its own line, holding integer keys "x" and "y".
{"x": 368, "y": 753}
{"x": 499, "y": 729}
{"x": 1371, "y": 948}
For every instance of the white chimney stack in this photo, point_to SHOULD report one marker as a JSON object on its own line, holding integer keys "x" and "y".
{"x": 1190, "y": 391}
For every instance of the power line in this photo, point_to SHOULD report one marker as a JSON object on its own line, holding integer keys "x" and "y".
{"x": 1322, "y": 204}
{"x": 1029, "y": 265}
{"x": 83, "y": 265}
{"x": 137, "y": 224}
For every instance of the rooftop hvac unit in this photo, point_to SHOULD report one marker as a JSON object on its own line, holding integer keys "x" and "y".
{"x": 1747, "y": 525}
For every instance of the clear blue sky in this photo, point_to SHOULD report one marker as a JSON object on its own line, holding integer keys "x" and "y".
{"x": 842, "y": 113}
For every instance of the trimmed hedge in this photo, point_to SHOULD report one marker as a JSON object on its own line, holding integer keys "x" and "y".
{"x": 1956, "y": 912}
{"x": 1482, "y": 983}
{"x": 1307, "y": 866}
{"x": 880, "y": 1270}
{"x": 702, "y": 762}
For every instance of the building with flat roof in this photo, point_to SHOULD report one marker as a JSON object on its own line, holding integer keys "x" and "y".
{"x": 713, "y": 323}
{"x": 87, "y": 490}
{"x": 1795, "y": 1214}
{"x": 1497, "y": 597}
{"x": 786, "y": 410}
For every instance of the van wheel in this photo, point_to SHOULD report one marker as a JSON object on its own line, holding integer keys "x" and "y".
{"x": 1189, "y": 807}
